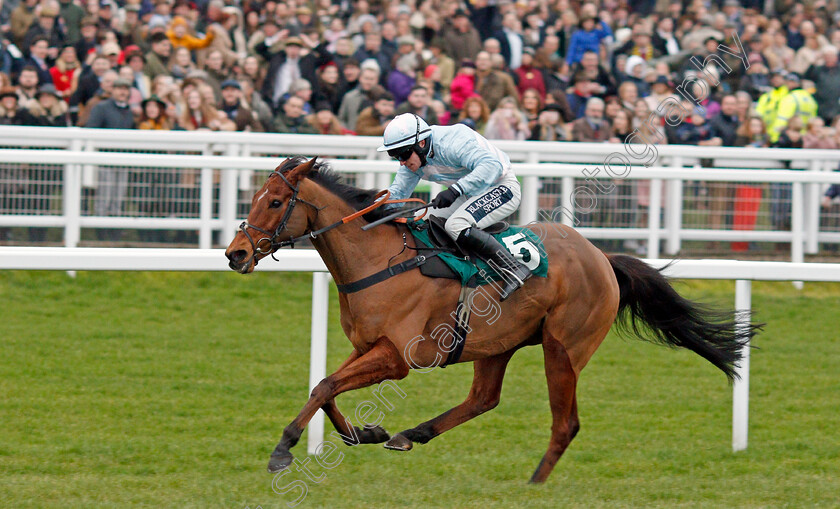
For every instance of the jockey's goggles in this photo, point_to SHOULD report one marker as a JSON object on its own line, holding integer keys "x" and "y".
{"x": 401, "y": 154}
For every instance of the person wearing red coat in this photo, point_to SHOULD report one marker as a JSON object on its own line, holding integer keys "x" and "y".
{"x": 463, "y": 85}
{"x": 529, "y": 76}
{"x": 64, "y": 71}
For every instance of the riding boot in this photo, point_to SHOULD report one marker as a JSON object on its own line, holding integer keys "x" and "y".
{"x": 513, "y": 273}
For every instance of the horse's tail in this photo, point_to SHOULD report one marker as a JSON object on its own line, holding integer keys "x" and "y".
{"x": 651, "y": 309}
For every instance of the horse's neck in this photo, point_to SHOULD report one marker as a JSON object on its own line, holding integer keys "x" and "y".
{"x": 348, "y": 252}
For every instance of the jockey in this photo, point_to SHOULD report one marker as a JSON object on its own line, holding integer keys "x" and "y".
{"x": 482, "y": 187}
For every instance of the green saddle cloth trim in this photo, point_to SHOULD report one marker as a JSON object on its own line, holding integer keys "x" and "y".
{"x": 523, "y": 243}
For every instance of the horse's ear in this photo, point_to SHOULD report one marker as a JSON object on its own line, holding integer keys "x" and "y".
{"x": 302, "y": 170}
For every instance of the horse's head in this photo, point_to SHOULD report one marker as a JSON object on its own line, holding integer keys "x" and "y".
{"x": 276, "y": 216}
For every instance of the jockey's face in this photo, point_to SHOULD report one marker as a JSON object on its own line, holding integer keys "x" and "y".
{"x": 413, "y": 162}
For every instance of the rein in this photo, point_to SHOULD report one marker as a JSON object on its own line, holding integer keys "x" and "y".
{"x": 269, "y": 244}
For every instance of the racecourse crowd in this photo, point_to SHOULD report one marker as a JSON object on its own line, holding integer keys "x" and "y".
{"x": 721, "y": 73}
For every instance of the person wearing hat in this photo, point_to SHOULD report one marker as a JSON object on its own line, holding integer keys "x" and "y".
{"x": 22, "y": 17}
{"x": 768, "y": 104}
{"x": 153, "y": 116}
{"x": 797, "y": 103}
{"x": 180, "y": 36}
{"x": 47, "y": 27}
{"x": 114, "y": 113}
{"x": 462, "y": 39}
{"x": 47, "y": 109}
{"x": 132, "y": 30}
{"x": 550, "y": 126}
{"x": 589, "y": 37}
{"x": 234, "y": 107}
{"x": 9, "y": 112}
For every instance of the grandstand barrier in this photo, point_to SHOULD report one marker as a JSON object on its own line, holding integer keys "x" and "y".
{"x": 302, "y": 260}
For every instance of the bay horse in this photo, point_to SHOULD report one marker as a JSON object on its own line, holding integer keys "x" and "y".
{"x": 569, "y": 312}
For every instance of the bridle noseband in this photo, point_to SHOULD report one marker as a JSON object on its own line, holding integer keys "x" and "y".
{"x": 269, "y": 244}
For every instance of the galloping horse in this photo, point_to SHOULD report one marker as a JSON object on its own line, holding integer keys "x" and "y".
{"x": 569, "y": 312}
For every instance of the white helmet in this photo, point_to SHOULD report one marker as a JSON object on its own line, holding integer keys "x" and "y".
{"x": 405, "y": 130}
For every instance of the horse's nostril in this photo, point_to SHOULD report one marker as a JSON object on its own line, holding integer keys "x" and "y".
{"x": 237, "y": 256}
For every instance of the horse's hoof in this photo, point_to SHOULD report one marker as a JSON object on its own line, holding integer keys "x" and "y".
{"x": 280, "y": 462}
{"x": 399, "y": 443}
{"x": 373, "y": 435}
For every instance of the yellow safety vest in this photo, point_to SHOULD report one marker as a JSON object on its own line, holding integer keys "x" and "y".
{"x": 768, "y": 103}
{"x": 797, "y": 103}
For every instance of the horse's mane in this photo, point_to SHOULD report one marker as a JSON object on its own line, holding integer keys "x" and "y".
{"x": 328, "y": 178}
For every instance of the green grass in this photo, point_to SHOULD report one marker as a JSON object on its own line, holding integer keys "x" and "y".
{"x": 171, "y": 390}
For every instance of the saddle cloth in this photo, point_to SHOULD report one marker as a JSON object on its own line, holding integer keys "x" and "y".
{"x": 522, "y": 243}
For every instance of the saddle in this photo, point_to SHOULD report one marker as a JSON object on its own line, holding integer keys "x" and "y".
{"x": 435, "y": 266}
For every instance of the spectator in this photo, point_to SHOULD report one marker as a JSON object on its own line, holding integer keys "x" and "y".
{"x": 661, "y": 90}
{"x": 114, "y": 112}
{"x": 228, "y": 38}
{"x": 358, "y": 98}
{"x": 374, "y": 119}
{"x": 463, "y": 85}
{"x": 462, "y": 38}
{"x": 752, "y": 133}
{"x": 287, "y": 66}
{"x": 257, "y": 104}
{"x": 236, "y": 110}
{"x": 21, "y": 19}
{"x": 475, "y": 110}
{"x": 64, "y": 71}
{"x": 324, "y": 120}
{"x": 724, "y": 124}
{"x": 590, "y": 65}
{"x": 797, "y": 103}
{"x": 418, "y": 102}
{"x": 756, "y": 81}
{"x": 181, "y": 64}
{"x": 197, "y": 113}
{"x": 628, "y": 94}
{"x": 529, "y": 77}
{"x": 303, "y": 89}
{"x": 158, "y": 57}
{"x": 291, "y": 118}
{"x": 102, "y": 94}
{"x": 135, "y": 98}
{"x": 532, "y": 105}
{"x": 445, "y": 64}
{"x": 592, "y": 31}
{"x": 86, "y": 45}
{"x": 744, "y": 106}
{"x": 9, "y": 112}
{"x": 549, "y": 126}
{"x": 818, "y": 136}
{"x": 663, "y": 40}
{"x": 592, "y": 127}
{"x": 330, "y": 87}
{"x": 622, "y": 126}
{"x": 89, "y": 83}
{"x": 27, "y": 85}
{"x": 372, "y": 50}
{"x": 37, "y": 59}
{"x": 179, "y": 36}
{"x": 507, "y": 122}
{"x": 826, "y": 78}
{"x": 402, "y": 78}
{"x": 154, "y": 116}
{"x": 252, "y": 70}
{"x": 811, "y": 51}
{"x": 768, "y": 104}
{"x": 45, "y": 26}
{"x": 580, "y": 94}
{"x": 510, "y": 40}
{"x": 640, "y": 44}
{"x": 491, "y": 84}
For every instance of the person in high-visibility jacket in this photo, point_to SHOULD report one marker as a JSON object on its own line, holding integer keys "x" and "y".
{"x": 768, "y": 103}
{"x": 797, "y": 103}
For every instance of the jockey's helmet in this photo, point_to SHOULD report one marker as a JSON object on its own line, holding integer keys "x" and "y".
{"x": 405, "y": 132}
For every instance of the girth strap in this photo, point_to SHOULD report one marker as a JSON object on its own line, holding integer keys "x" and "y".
{"x": 388, "y": 273}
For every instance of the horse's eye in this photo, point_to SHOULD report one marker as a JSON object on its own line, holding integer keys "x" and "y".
{"x": 275, "y": 204}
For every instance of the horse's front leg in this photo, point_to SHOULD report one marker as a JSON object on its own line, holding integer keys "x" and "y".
{"x": 353, "y": 435}
{"x": 381, "y": 362}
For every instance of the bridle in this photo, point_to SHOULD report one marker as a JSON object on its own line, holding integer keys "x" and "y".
{"x": 268, "y": 245}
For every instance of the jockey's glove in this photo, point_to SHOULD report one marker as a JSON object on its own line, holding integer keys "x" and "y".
{"x": 445, "y": 198}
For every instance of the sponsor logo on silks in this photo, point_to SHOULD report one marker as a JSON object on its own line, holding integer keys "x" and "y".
{"x": 489, "y": 202}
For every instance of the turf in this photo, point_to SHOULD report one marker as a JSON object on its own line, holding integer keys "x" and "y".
{"x": 171, "y": 390}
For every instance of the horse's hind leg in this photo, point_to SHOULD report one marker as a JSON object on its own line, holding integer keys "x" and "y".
{"x": 484, "y": 395}
{"x": 562, "y": 383}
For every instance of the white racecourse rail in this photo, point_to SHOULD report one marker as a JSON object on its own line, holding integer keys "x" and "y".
{"x": 304, "y": 260}
{"x": 239, "y": 154}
